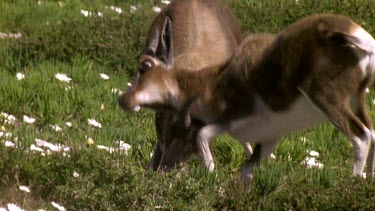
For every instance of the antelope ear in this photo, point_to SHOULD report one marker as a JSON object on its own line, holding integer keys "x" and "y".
{"x": 165, "y": 46}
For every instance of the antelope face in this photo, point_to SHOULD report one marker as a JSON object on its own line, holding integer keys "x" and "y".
{"x": 183, "y": 147}
{"x": 155, "y": 87}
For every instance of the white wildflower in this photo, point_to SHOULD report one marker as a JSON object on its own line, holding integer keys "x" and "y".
{"x": 100, "y": 14}
{"x": 314, "y": 153}
{"x": 103, "y": 147}
{"x": 52, "y": 147}
{"x": 9, "y": 144}
{"x": 94, "y": 123}
{"x": 24, "y": 188}
{"x": 129, "y": 84}
{"x": 124, "y": 146}
{"x": 57, "y": 206}
{"x": 9, "y": 119}
{"x": 5, "y": 134}
{"x": 16, "y": 36}
{"x": 367, "y": 90}
{"x": 133, "y": 8}
{"x": 67, "y": 88}
{"x": 69, "y": 124}
{"x": 56, "y": 128}
{"x": 311, "y": 162}
{"x": 35, "y": 148}
{"x": 109, "y": 149}
{"x": 116, "y": 91}
{"x": 14, "y": 207}
{"x": 116, "y": 9}
{"x": 90, "y": 141}
{"x": 165, "y": 1}
{"x": 64, "y": 154}
{"x": 272, "y": 156}
{"x": 86, "y": 13}
{"x": 102, "y": 107}
{"x": 75, "y": 174}
{"x": 62, "y": 77}
{"x": 28, "y": 119}
{"x": 151, "y": 154}
{"x": 156, "y": 9}
{"x": 10, "y": 35}
{"x": 20, "y": 76}
{"x": 104, "y": 76}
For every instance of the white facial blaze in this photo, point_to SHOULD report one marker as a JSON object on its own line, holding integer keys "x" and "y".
{"x": 152, "y": 94}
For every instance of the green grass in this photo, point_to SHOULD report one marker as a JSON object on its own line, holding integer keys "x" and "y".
{"x": 58, "y": 39}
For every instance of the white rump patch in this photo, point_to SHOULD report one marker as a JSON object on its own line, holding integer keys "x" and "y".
{"x": 362, "y": 40}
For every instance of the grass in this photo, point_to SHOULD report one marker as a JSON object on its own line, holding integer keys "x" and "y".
{"x": 57, "y": 38}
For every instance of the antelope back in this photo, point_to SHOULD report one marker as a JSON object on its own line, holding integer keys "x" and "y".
{"x": 198, "y": 28}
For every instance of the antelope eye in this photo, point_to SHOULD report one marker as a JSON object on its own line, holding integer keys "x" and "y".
{"x": 144, "y": 66}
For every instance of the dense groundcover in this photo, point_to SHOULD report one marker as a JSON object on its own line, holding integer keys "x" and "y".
{"x": 64, "y": 140}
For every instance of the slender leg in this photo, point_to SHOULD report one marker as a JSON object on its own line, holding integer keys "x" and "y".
{"x": 248, "y": 149}
{"x": 340, "y": 115}
{"x": 262, "y": 150}
{"x": 204, "y": 137}
{"x": 163, "y": 122}
{"x": 371, "y": 156}
{"x": 361, "y": 112}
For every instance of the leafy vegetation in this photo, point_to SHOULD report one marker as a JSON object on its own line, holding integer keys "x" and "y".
{"x": 95, "y": 173}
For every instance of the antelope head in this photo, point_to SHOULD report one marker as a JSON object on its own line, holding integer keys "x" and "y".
{"x": 155, "y": 82}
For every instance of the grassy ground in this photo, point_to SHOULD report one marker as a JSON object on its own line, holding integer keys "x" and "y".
{"x": 57, "y": 38}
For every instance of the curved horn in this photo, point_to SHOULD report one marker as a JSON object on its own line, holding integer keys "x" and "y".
{"x": 152, "y": 43}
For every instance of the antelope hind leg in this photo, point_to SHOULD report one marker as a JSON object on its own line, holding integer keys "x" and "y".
{"x": 341, "y": 116}
{"x": 360, "y": 111}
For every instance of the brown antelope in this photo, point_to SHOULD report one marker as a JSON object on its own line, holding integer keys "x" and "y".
{"x": 316, "y": 69}
{"x": 184, "y": 35}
